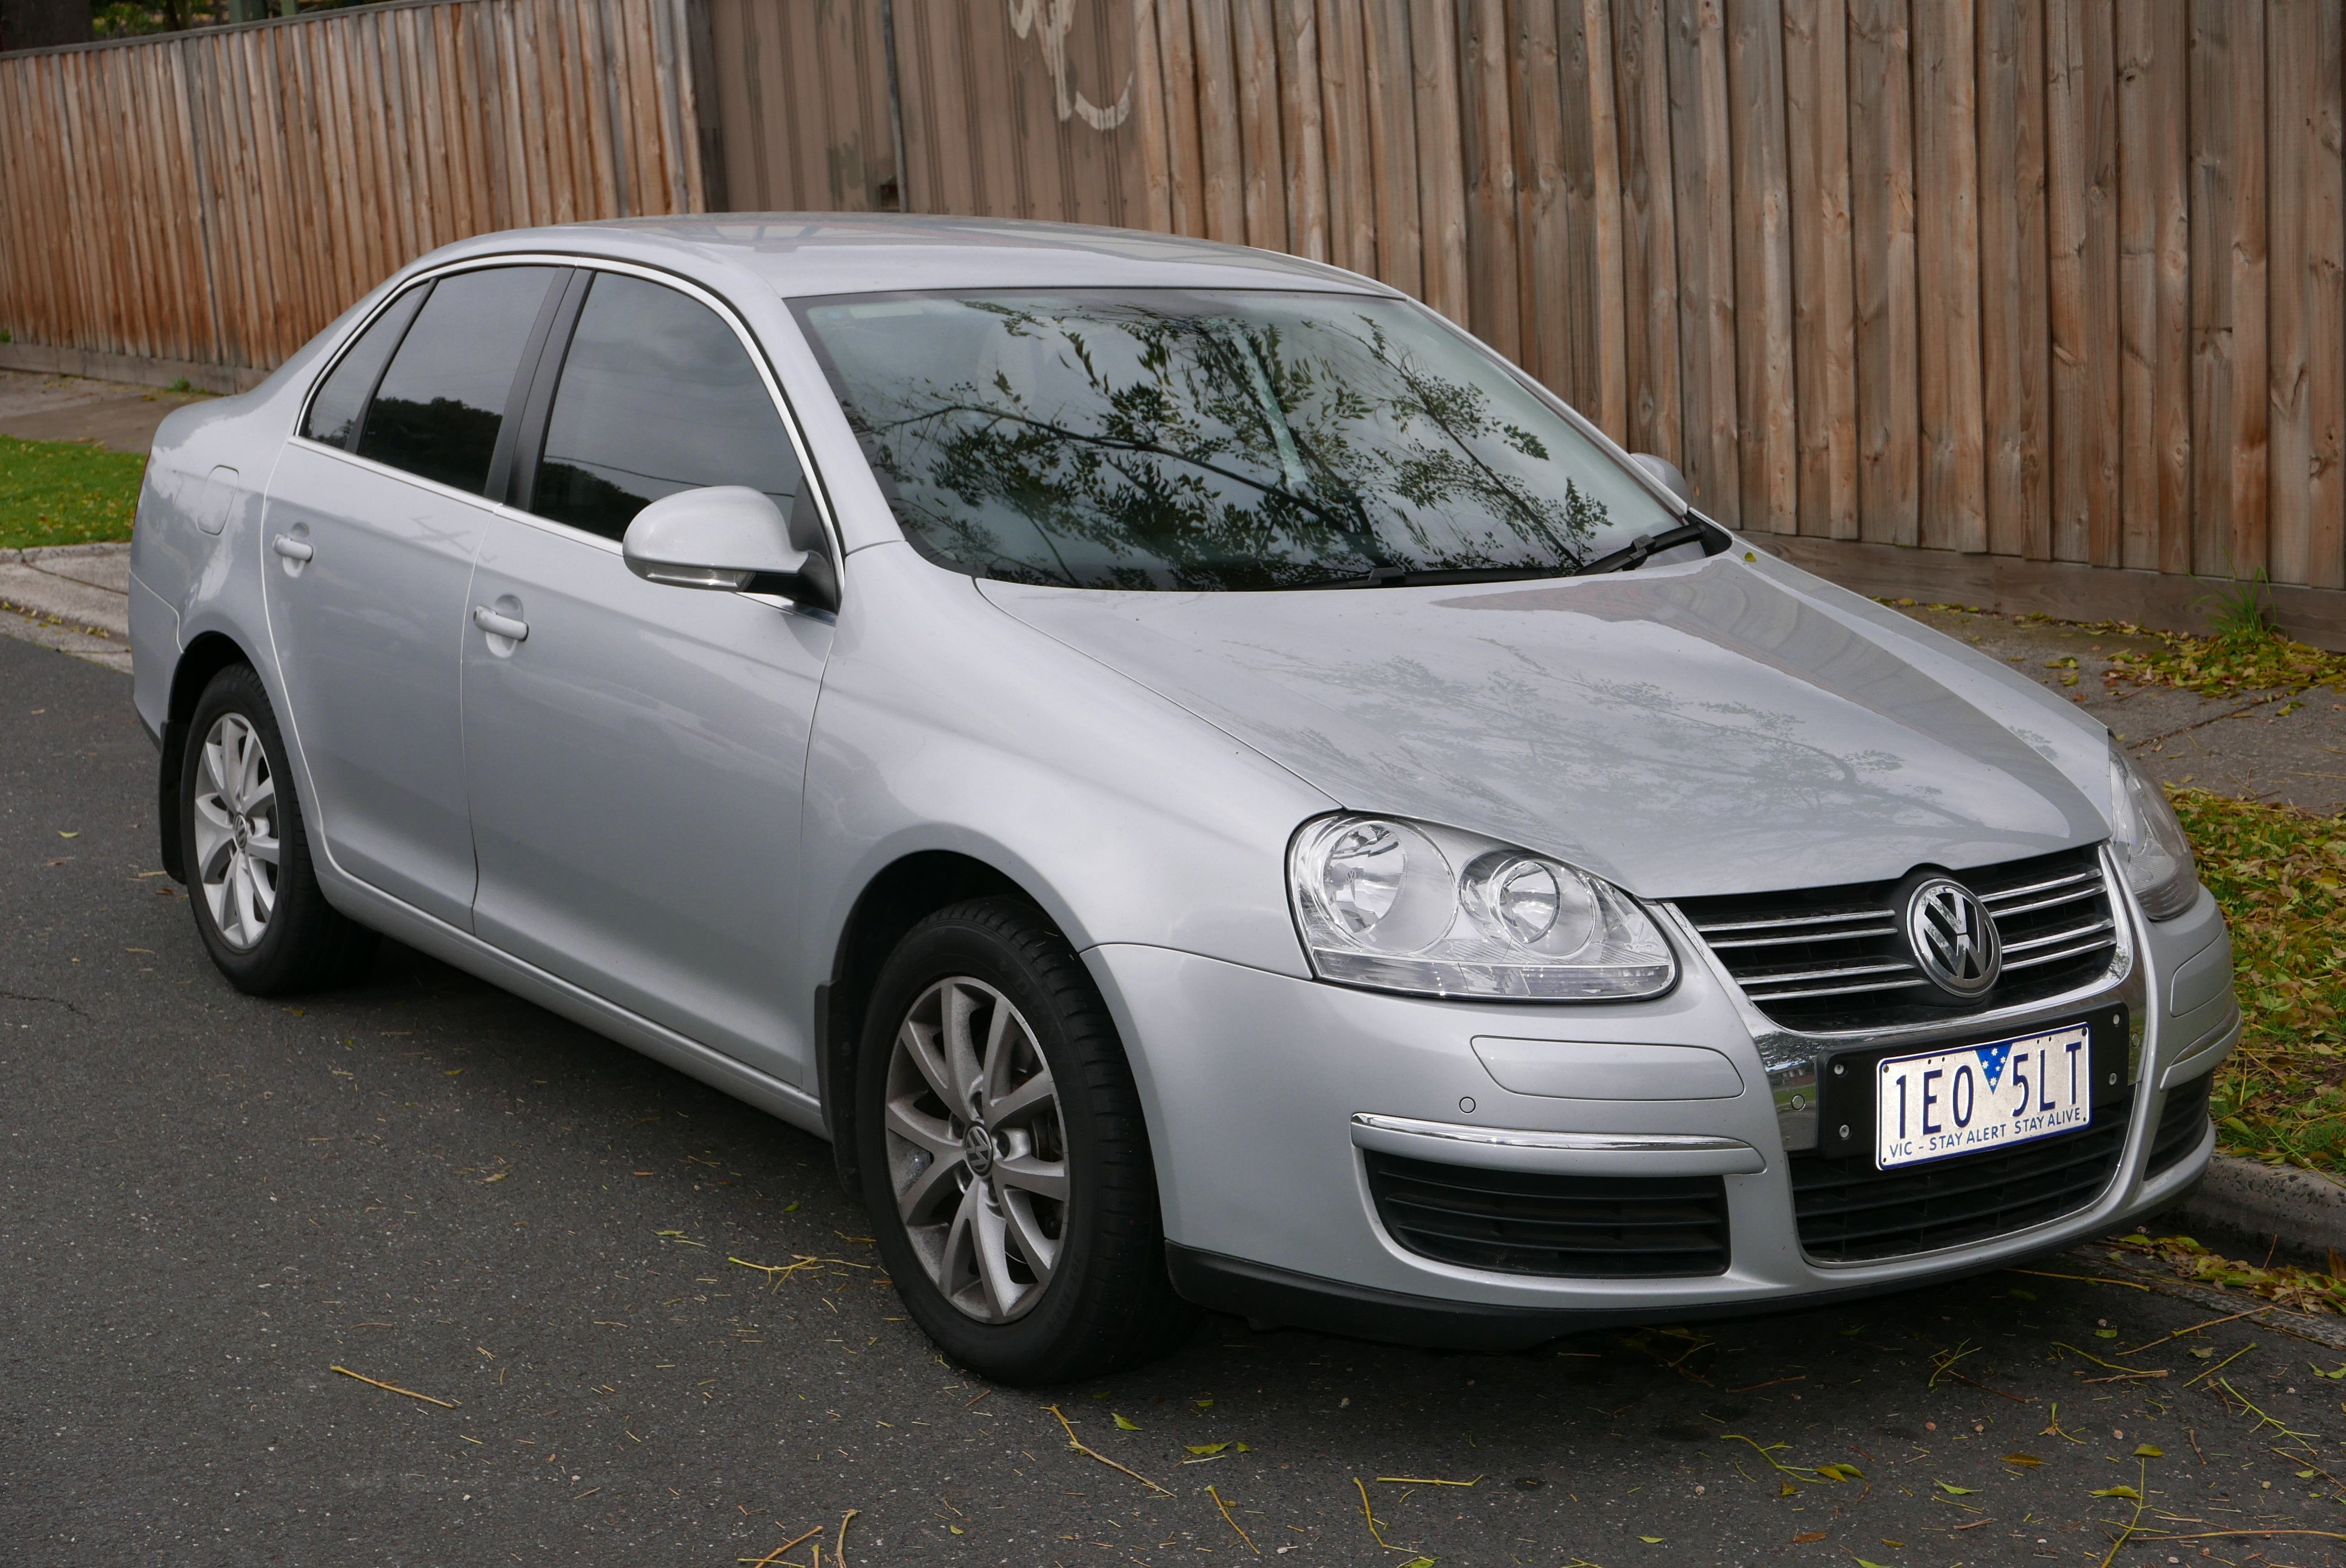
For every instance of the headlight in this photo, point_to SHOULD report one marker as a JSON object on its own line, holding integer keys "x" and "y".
{"x": 2150, "y": 843}
{"x": 1408, "y": 906}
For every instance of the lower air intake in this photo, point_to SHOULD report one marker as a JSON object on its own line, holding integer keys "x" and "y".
{"x": 1562, "y": 1226}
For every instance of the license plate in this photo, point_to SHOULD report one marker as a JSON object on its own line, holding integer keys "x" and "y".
{"x": 1981, "y": 1097}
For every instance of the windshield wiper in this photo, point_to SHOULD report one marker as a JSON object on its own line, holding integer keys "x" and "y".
{"x": 1415, "y": 577}
{"x": 1636, "y": 553}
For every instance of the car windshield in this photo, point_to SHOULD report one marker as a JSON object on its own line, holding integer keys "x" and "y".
{"x": 1176, "y": 439}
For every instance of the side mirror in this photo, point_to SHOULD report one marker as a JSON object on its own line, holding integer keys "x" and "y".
{"x": 1663, "y": 472}
{"x": 727, "y": 537}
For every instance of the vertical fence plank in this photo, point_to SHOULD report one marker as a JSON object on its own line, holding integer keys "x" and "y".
{"x": 1768, "y": 436}
{"x": 1883, "y": 271}
{"x": 1706, "y": 218}
{"x": 1487, "y": 151}
{"x": 1552, "y": 256}
{"x": 2081, "y": 116}
{"x": 1824, "y": 310}
{"x": 2154, "y": 276}
{"x": 1303, "y": 129}
{"x": 2013, "y": 272}
{"x": 2308, "y": 311}
{"x": 1648, "y": 230}
{"x": 1263, "y": 152}
{"x": 1441, "y": 153}
{"x": 1220, "y": 146}
{"x": 1947, "y": 279}
{"x": 1343, "y": 82}
{"x": 2228, "y": 390}
{"x": 1392, "y": 146}
{"x": 1592, "y": 168}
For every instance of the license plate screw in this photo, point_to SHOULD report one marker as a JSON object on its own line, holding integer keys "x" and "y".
{"x": 1844, "y": 1131}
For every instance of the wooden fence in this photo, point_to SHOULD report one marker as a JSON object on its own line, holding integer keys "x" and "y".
{"x": 2037, "y": 282}
{"x": 215, "y": 198}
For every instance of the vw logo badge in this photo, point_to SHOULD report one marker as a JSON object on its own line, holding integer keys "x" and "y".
{"x": 1953, "y": 937}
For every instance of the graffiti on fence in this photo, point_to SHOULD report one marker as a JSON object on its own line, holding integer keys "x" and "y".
{"x": 1056, "y": 16}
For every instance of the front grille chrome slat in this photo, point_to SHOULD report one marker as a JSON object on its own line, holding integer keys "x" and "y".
{"x": 1828, "y": 960}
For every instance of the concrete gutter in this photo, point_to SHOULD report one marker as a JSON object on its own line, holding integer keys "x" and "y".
{"x": 75, "y": 598}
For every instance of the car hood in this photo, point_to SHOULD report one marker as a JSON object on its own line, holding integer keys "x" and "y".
{"x": 1726, "y": 726}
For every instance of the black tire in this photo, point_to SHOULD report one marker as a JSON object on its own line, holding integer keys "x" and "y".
{"x": 1107, "y": 1303}
{"x": 304, "y": 943}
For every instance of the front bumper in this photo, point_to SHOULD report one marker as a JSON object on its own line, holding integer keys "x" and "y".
{"x": 1263, "y": 1092}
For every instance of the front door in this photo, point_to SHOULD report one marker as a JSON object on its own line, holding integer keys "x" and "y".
{"x": 374, "y": 512}
{"x": 636, "y": 755}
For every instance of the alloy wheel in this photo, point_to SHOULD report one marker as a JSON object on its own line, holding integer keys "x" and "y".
{"x": 978, "y": 1155}
{"x": 236, "y": 831}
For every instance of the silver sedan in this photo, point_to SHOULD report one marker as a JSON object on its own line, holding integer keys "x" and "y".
{"x": 1208, "y": 787}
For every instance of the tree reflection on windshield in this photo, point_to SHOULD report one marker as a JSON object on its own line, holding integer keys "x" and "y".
{"x": 1177, "y": 440}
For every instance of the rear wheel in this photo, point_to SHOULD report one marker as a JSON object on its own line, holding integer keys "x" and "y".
{"x": 257, "y": 902}
{"x": 1015, "y": 1200}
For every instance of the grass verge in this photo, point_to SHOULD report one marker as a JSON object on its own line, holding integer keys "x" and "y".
{"x": 2278, "y": 872}
{"x": 65, "y": 493}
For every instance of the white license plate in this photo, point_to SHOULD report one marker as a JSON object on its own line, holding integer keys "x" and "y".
{"x": 1981, "y": 1097}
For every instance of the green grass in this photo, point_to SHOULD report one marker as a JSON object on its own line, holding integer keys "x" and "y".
{"x": 65, "y": 493}
{"x": 2279, "y": 874}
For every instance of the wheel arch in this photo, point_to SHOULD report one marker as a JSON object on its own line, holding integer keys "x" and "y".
{"x": 200, "y": 661}
{"x": 898, "y": 897}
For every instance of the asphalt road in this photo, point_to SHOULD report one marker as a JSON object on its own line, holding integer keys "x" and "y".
{"x": 209, "y": 1204}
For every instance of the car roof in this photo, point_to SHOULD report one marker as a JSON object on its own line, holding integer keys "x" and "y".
{"x": 814, "y": 253}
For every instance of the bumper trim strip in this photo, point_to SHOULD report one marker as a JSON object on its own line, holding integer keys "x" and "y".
{"x": 1617, "y": 1154}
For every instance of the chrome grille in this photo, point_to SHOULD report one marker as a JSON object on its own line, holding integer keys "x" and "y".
{"x": 1831, "y": 958}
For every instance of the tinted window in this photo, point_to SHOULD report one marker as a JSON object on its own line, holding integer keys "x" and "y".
{"x": 334, "y": 413}
{"x": 441, "y": 403}
{"x": 1162, "y": 439}
{"x": 656, "y": 395}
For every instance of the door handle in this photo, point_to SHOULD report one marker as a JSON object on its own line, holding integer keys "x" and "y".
{"x": 292, "y": 549}
{"x": 498, "y": 625}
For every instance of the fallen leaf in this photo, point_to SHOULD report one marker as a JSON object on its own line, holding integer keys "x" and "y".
{"x": 2126, "y": 1492}
{"x": 1206, "y": 1447}
{"x": 2105, "y": 1333}
{"x": 1243, "y": 1448}
{"x": 956, "y": 1529}
{"x": 1203, "y": 1404}
{"x": 1807, "y": 1537}
{"x": 2204, "y": 1354}
{"x": 499, "y": 1177}
{"x": 1651, "y": 1540}
{"x": 788, "y": 1207}
{"x": 63, "y": 834}
{"x": 2028, "y": 1458}
{"x": 1419, "y": 1562}
{"x": 1861, "y": 1562}
{"x": 1128, "y": 1423}
{"x": 2307, "y": 1474}
{"x": 2151, "y": 1451}
{"x": 2017, "y": 1294}
{"x": 2317, "y": 1371}
{"x": 1950, "y": 1488}
{"x": 1840, "y": 1473}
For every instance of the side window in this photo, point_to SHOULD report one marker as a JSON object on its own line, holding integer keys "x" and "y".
{"x": 656, "y": 395}
{"x": 443, "y": 400}
{"x": 341, "y": 396}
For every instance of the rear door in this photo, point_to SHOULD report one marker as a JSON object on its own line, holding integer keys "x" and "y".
{"x": 637, "y": 755}
{"x": 374, "y": 512}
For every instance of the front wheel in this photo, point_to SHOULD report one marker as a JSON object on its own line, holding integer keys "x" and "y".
{"x": 1008, "y": 1167}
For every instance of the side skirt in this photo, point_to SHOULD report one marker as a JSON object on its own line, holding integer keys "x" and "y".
{"x": 372, "y": 907}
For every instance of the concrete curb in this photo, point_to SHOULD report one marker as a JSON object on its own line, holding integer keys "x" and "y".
{"x": 2250, "y": 1199}
{"x": 75, "y": 598}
